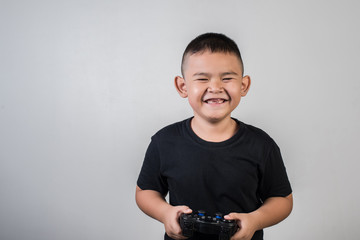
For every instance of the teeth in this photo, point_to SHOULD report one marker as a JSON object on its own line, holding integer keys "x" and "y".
{"x": 215, "y": 101}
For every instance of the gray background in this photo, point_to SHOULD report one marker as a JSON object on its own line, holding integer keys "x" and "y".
{"x": 85, "y": 84}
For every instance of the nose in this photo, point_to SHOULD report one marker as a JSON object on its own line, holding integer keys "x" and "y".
{"x": 215, "y": 86}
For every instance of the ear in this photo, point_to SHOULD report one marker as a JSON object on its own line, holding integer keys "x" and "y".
{"x": 180, "y": 86}
{"x": 245, "y": 85}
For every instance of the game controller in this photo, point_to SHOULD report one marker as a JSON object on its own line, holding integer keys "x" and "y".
{"x": 201, "y": 222}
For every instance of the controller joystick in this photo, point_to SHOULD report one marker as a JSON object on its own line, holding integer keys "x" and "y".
{"x": 201, "y": 222}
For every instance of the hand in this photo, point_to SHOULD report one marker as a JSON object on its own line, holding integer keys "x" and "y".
{"x": 247, "y": 225}
{"x": 171, "y": 221}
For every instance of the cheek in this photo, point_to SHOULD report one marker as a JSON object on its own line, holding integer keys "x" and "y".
{"x": 195, "y": 98}
{"x": 235, "y": 93}
{"x": 195, "y": 93}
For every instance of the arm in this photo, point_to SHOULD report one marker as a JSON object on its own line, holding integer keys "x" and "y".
{"x": 273, "y": 211}
{"x": 154, "y": 204}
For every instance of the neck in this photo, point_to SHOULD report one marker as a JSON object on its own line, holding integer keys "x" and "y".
{"x": 214, "y": 131}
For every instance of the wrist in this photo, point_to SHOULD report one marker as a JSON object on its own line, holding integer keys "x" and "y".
{"x": 163, "y": 212}
{"x": 256, "y": 220}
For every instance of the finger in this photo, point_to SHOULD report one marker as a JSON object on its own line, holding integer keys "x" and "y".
{"x": 235, "y": 217}
{"x": 185, "y": 209}
{"x": 238, "y": 235}
{"x": 188, "y": 210}
{"x": 176, "y": 236}
{"x": 231, "y": 216}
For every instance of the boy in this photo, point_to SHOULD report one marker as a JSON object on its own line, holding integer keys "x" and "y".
{"x": 214, "y": 162}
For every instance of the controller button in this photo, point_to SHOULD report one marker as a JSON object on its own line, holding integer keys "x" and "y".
{"x": 218, "y": 215}
{"x": 201, "y": 213}
{"x": 227, "y": 221}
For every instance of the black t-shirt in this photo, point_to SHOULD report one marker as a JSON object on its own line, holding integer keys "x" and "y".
{"x": 235, "y": 175}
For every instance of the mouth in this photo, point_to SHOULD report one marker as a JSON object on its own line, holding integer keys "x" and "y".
{"x": 215, "y": 100}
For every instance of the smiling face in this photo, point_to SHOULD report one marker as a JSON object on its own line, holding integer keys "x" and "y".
{"x": 213, "y": 84}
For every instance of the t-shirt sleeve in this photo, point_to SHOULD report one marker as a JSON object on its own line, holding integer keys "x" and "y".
{"x": 274, "y": 181}
{"x": 150, "y": 177}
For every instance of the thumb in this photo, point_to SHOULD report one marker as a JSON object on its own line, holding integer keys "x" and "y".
{"x": 185, "y": 209}
{"x": 182, "y": 209}
{"x": 231, "y": 216}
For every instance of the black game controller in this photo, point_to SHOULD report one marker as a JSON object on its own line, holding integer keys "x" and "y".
{"x": 203, "y": 223}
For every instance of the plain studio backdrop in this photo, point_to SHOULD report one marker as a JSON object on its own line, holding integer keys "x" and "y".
{"x": 85, "y": 84}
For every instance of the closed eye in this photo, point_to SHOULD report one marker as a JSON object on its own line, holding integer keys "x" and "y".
{"x": 202, "y": 79}
{"x": 227, "y": 79}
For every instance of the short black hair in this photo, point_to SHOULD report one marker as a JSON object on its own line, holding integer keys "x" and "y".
{"x": 213, "y": 42}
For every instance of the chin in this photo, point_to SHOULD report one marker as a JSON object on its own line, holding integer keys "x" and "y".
{"x": 216, "y": 119}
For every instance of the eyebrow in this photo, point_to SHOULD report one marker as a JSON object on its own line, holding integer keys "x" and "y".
{"x": 229, "y": 73}
{"x": 208, "y": 74}
{"x": 201, "y": 74}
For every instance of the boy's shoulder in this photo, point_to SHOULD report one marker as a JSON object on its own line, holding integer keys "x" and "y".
{"x": 256, "y": 130}
{"x": 172, "y": 130}
{"x": 257, "y": 134}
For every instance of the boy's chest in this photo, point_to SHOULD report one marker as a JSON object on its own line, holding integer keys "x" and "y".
{"x": 225, "y": 170}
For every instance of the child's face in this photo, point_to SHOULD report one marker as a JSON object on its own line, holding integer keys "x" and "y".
{"x": 213, "y": 84}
